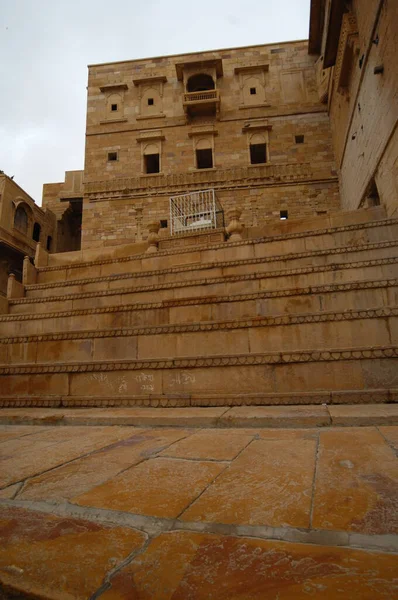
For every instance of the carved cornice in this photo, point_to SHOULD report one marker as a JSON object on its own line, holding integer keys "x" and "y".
{"x": 184, "y": 250}
{"x": 198, "y": 362}
{"x": 217, "y": 178}
{"x": 273, "y": 321}
{"x": 109, "y": 87}
{"x": 284, "y": 293}
{"x": 209, "y": 281}
{"x": 369, "y": 396}
{"x": 214, "y": 264}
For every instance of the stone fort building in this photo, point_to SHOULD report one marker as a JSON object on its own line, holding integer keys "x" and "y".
{"x": 232, "y": 237}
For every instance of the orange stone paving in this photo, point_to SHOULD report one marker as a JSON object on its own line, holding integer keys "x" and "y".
{"x": 125, "y": 513}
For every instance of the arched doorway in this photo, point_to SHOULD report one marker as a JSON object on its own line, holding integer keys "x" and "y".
{"x": 200, "y": 82}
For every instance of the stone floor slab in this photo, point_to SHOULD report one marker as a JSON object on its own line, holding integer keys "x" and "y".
{"x": 192, "y": 566}
{"x": 356, "y": 483}
{"x": 270, "y": 483}
{"x": 59, "y": 558}
{"x": 160, "y": 487}
{"x": 32, "y": 455}
{"x": 81, "y": 475}
{"x": 8, "y": 432}
{"x": 391, "y": 435}
{"x": 209, "y": 445}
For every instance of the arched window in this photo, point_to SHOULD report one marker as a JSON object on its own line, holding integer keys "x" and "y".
{"x": 200, "y": 83}
{"x": 258, "y": 149}
{"x": 151, "y": 159}
{"x": 21, "y": 220}
{"x": 204, "y": 154}
{"x": 36, "y": 232}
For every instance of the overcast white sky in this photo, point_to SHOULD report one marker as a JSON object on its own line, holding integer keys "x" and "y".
{"x": 46, "y": 45}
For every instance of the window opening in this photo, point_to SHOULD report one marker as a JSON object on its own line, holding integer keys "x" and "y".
{"x": 200, "y": 83}
{"x": 204, "y": 158}
{"x": 21, "y": 219}
{"x": 150, "y": 102}
{"x": 299, "y": 139}
{"x": 36, "y": 232}
{"x": 152, "y": 163}
{"x": 163, "y": 223}
{"x": 112, "y": 156}
{"x": 283, "y": 215}
{"x": 258, "y": 153}
{"x": 49, "y": 242}
{"x": 253, "y": 91}
{"x": 113, "y": 107}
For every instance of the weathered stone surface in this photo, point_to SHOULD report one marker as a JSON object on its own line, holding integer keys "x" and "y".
{"x": 390, "y": 434}
{"x": 277, "y": 416}
{"x": 382, "y": 414}
{"x": 209, "y": 445}
{"x": 356, "y": 483}
{"x": 160, "y": 487}
{"x": 35, "y": 454}
{"x": 59, "y": 558}
{"x": 85, "y": 473}
{"x": 188, "y": 566}
{"x": 269, "y": 484}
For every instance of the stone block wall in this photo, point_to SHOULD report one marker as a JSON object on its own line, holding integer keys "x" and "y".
{"x": 120, "y": 199}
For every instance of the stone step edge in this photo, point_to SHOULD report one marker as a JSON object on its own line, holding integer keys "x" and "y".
{"x": 216, "y": 299}
{"x": 215, "y": 265}
{"x": 210, "y": 281}
{"x": 208, "y": 361}
{"x": 282, "y": 416}
{"x": 277, "y": 238}
{"x": 205, "y": 326}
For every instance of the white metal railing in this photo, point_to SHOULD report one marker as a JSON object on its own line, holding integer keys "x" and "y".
{"x": 197, "y": 211}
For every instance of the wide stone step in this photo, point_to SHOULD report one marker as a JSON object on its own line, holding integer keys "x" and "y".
{"x": 351, "y": 375}
{"x": 216, "y": 269}
{"x": 335, "y": 297}
{"x": 321, "y": 239}
{"x": 230, "y": 284}
{"x": 279, "y": 333}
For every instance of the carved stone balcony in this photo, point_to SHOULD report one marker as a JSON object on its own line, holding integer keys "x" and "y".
{"x": 206, "y": 102}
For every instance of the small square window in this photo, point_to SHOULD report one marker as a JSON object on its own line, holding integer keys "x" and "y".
{"x": 113, "y": 107}
{"x": 163, "y": 223}
{"x": 283, "y": 215}
{"x": 253, "y": 91}
{"x": 299, "y": 139}
{"x": 112, "y": 156}
{"x": 150, "y": 102}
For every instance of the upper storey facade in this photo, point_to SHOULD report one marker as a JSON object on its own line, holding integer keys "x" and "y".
{"x": 246, "y": 122}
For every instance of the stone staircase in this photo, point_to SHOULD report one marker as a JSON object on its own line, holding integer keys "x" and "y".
{"x": 302, "y": 312}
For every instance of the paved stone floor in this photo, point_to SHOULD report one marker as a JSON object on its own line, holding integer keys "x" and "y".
{"x": 124, "y": 513}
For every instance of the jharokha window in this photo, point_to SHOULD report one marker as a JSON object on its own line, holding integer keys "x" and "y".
{"x": 21, "y": 220}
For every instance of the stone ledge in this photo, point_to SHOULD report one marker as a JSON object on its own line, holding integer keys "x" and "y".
{"x": 306, "y": 416}
{"x": 215, "y": 264}
{"x": 198, "y": 300}
{"x": 210, "y": 281}
{"x": 268, "y": 239}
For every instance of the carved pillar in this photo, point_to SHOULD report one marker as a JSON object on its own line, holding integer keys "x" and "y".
{"x": 234, "y": 227}
{"x": 29, "y": 272}
{"x": 14, "y": 288}
{"x": 153, "y": 236}
{"x": 41, "y": 256}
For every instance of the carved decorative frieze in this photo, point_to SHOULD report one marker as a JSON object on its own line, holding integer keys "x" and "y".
{"x": 304, "y": 291}
{"x": 182, "y": 182}
{"x": 198, "y": 362}
{"x": 269, "y": 240}
{"x": 210, "y": 281}
{"x": 369, "y": 396}
{"x": 272, "y": 321}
